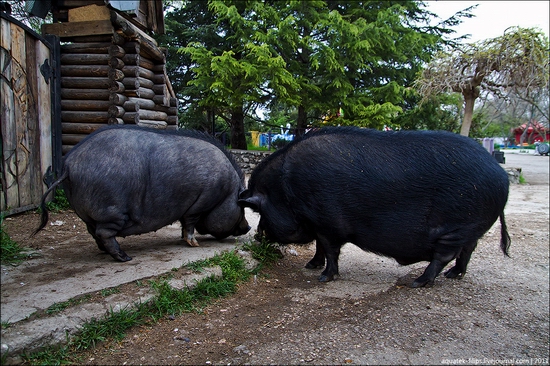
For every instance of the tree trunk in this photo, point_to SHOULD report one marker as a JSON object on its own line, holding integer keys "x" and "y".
{"x": 470, "y": 97}
{"x": 301, "y": 123}
{"x": 238, "y": 138}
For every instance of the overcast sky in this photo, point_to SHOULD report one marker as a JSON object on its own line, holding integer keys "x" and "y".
{"x": 493, "y": 17}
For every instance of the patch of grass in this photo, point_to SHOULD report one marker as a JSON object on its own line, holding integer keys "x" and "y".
{"x": 49, "y": 356}
{"x": 11, "y": 253}
{"x": 167, "y": 301}
{"x": 264, "y": 251}
{"x": 60, "y": 306}
{"x": 6, "y": 325}
{"x": 522, "y": 179}
{"x": 109, "y": 291}
{"x": 112, "y": 326}
{"x": 198, "y": 266}
{"x": 59, "y": 202}
{"x": 251, "y": 146}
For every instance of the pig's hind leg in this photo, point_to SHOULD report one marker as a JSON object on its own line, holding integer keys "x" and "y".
{"x": 459, "y": 269}
{"x": 332, "y": 253}
{"x": 91, "y": 230}
{"x": 446, "y": 248}
{"x": 188, "y": 230}
{"x": 105, "y": 237}
{"x": 318, "y": 260}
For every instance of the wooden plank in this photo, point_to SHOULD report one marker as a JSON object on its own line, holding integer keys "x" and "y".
{"x": 76, "y": 29}
{"x": 160, "y": 125}
{"x": 10, "y": 196}
{"x": 116, "y": 111}
{"x": 90, "y": 12}
{"x": 88, "y": 70}
{"x": 85, "y": 105}
{"x": 72, "y": 139}
{"x": 5, "y": 35}
{"x": 76, "y": 82}
{"x": 85, "y": 116}
{"x": 45, "y": 123}
{"x": 129, "y": 29}
{"x": 85, "y": 59}
{"x": 117, "y": 98}
{"x": 88, "y": 84}
{"x": 143, "y": 103}
{"x": 97, "y": 47}
{"x": 80, "y": 128}
{"x": 66, "y": 148}
{"x": 137, "y": 71}
{"x": 33, "y": 130}
{"x": 22, "y": 100}
{"x": 172, "y": 120}
{"x": 95, "y": 94}
{"x": 140, "y": 93}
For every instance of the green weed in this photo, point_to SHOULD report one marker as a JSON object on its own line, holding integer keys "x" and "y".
{"x": 59, "y": 203}
{"x": 60, "y": 306}
{"x": 263, "y": 251}
{"x": 109, "y": 291}
{"x": 522, "y": 179}
{"x": 11, "y": 253}
{"x": 50, "y": 356}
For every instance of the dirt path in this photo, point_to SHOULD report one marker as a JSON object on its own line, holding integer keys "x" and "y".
{"x": 497, "y": 314}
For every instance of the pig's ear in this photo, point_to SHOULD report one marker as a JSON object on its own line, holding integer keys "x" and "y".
{"x": 254, "y": 202}
{"x": 244, "y": 194}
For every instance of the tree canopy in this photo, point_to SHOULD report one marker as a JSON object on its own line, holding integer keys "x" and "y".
{"x": 516, "y": 62}
{"x": 333, "y": 62}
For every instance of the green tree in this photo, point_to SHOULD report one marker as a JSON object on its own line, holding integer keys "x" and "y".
{"x": 441, "y": 112}
{"x": 185, "y": 22}
{"x": 517, "y": 61}
{"x": 240, "y": 74}
{"x": 355, "y": 56}
{"x": 314, "y": 59}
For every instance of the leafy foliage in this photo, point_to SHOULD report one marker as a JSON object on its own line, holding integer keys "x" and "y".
{"x": 59, "y": 203}
{"x": 518, "y": 61}
{"x": 323, "y": 62}
{"x": 11, "y": 252}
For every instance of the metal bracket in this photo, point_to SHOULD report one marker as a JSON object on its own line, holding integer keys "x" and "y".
{"x": 47, "y": 71}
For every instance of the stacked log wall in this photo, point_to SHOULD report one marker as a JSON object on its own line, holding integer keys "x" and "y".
{"x": 113, "y": 79}
{"x": 85, "y": 92}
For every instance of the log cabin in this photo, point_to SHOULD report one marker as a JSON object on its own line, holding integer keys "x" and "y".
{"x": 112, "y": 70}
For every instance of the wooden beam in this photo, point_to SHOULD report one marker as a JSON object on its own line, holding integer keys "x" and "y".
{"x": 75, "y": 29}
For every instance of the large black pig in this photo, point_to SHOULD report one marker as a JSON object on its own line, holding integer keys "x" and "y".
{"x": 127, "y": 180}
{"x": 414, "y": 196}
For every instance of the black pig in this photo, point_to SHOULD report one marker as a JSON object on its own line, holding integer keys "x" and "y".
{"x": 414, "y": 196}
{"x": 128, "y": 180}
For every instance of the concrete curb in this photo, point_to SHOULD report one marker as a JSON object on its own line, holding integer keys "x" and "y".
{"x": 31, "y": 335}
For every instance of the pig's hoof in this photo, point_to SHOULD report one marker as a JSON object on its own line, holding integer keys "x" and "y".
{"x": 122, "y": 257}
{"x": 193, "y": 243}
{"x": 421, "y": 283}
{"x": 453, "y": 273}
{"x": 325, "y": 278}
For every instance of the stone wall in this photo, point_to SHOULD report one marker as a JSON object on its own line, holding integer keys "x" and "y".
{"x": 248, "y": 159}
{"x": 513, "y": 174}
